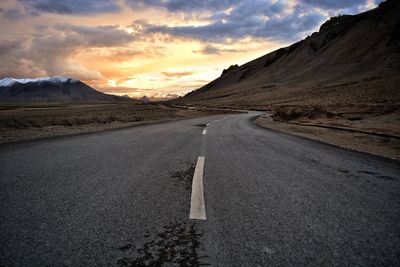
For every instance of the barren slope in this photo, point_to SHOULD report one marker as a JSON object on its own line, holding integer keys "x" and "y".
{"x": 352, "y": 59}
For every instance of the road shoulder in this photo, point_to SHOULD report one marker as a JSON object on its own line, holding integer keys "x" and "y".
{"x": 368, "y": 143}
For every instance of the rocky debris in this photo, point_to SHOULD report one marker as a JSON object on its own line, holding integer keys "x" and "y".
{"x": 285, "y": 113}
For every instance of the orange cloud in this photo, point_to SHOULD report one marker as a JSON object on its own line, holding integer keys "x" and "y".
{"x": 177, "y": 74}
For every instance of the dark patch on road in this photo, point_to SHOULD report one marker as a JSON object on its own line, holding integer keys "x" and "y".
{"x": 367, "y": 172}
{"x": 349, "y": 174}
{"x": 176, "y": 244}
{"x": 385, "y": 177}
{"x": 184, "y": 177}
{"x": 125, "y": 247}
{"x": 201, "y": 125}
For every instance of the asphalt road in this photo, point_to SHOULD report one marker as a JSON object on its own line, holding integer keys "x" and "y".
{"x": 123, "y": 198}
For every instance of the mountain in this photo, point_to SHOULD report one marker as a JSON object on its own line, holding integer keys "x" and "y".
{"x": 351, "y": 59}
{"x": 144, "y": 99}
{"x": 57, "y": 89}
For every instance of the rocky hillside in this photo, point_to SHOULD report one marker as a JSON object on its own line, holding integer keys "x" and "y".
{"x": 352, "y": 58}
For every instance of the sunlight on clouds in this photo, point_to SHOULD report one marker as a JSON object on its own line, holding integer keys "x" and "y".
{"x": 112, "y": 83}
{"x": 153, "y": 48}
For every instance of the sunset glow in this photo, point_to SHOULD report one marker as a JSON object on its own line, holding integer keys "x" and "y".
{"x": 156, "y": 48}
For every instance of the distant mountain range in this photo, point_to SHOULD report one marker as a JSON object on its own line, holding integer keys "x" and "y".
{"x": 352, "y": 59}
{"x": 57, "y": 89}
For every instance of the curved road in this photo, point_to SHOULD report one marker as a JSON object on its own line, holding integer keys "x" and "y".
{"x": 124, "y": 198}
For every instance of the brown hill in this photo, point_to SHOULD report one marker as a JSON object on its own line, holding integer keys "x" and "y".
{"x": 52, "y": 89}
{"x": 353, "y": 59}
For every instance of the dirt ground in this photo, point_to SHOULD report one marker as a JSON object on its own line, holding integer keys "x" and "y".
{"x": 20, "y": 122}
{"x": 373, "y": 129}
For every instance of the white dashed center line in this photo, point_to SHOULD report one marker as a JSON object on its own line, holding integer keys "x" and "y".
{"x": 204, "y": 131}
{"x": 197, "y": 206}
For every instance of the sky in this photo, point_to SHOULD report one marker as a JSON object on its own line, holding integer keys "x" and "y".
{"x": 157, "y": 48}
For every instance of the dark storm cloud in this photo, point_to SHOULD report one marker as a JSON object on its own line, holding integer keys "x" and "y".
{"x": 235, "y": 19}
{"x": 69, "y": 6}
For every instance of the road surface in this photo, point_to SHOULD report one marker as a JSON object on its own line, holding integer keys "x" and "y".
{"x": 258, "y": 198}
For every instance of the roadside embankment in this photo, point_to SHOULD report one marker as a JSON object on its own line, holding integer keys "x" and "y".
{"x": 373, "y": 129}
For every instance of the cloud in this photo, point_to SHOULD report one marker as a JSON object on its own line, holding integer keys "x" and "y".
{"x": 182, "y": 5}
{"x": 215, "y": 6}
{"x": 335, "y": 4}
{"x": 98, "y": 36}
{"x": 51, "y": 52}
{"x": 236, "y": 19}
{"x": 124, "y": 54}
{"x": 11, "y": 14}
{"x": 177, "y": 74}
{"x": 289, "y": 28}
{"x": 214, "y": 50}
{"x": 248, "y": 18}
{"x": 8, "y": 46}
{"x": 70, "y": 6}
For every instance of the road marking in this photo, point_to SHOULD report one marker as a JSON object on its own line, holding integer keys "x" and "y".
{"x": 208, "y": 124}
{"x": 204, "y": 131}
{"x": 197, "y": 206}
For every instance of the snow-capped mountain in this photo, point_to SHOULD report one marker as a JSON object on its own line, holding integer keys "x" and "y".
{"x": 57, "y": 89}
{"x": 55, "y": 79}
